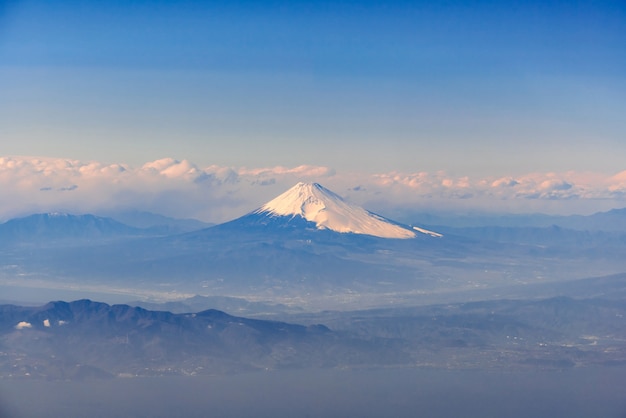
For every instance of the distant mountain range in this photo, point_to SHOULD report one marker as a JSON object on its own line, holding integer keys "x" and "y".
{"x": 65, "y": 228}
{"x": 611, "y": 221}
{"x": 549, "y": 236}
{"x": 155, "y": 223}
{"x": 62, "y": 226}
{"x": 308, "y": 244}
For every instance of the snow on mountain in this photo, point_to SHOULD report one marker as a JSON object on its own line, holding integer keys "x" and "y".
{"x": 427, "y": 232}
{"x": 328, "y": 210}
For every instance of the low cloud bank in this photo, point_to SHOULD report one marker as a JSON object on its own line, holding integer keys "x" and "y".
{"x": 216, "y": 194}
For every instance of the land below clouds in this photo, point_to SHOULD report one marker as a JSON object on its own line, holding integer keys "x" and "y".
{"x": 516, "y": 358}
{"x": 85, "y": 339}
{"x": 488, "y": 320}
{"x": 479, "y": 298}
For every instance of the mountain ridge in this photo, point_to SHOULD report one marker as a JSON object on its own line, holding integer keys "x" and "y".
{"x": 87, "y": 339}
{"x": 64, "y": 226}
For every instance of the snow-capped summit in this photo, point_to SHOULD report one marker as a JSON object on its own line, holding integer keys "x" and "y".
{"x": 328, "y": 210}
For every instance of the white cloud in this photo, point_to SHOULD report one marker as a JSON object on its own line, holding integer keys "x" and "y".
{"x": 23, "y": 324}
{"x": 617, "y": 183}
{"x": 216, "y": 193}
{"x": 504, "y": 182}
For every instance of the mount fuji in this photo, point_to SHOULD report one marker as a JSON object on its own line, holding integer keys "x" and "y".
{"x": 306, "y": 244}
{"x": 307, "y": 240}
{"x": 312, "y": 206}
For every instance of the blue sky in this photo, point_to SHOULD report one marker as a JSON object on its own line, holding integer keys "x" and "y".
{"x": 486, "y": 105}
{"x": 473, "y": 88}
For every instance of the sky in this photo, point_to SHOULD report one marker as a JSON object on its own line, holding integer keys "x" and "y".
{"x": 514, "y": 105}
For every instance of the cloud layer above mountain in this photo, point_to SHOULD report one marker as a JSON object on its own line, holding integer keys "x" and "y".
{"x": 215, "y": 193}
